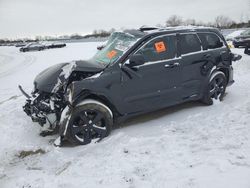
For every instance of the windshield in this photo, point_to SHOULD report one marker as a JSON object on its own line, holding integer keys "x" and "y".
{"x": 117, "y": 44}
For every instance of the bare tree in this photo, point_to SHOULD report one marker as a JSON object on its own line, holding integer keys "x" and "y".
{"x": 111, "y": 30}
{"x": 174, "y": 20}
{"x": 160, "y": 25}
{"x": 95, "y": 32}
{"x": 190, "y": 22}
{"x": 223, "y": 21}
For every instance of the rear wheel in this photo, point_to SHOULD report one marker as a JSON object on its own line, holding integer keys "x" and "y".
{"x": 89, "y": 120}
{"x": 216, "y": 88}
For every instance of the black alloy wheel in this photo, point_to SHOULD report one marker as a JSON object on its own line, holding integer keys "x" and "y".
{"x": 216, "y": 88}
{"x": 89, "y": 122}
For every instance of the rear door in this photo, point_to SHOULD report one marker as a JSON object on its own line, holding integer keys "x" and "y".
{"x": 193, "y": 59}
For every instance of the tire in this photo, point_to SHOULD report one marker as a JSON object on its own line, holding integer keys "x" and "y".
{"x": 216, "y": 88}
{"x": 89, "y": 120}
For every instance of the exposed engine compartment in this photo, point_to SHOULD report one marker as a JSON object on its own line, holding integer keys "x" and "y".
{"x": 43, "y": 104}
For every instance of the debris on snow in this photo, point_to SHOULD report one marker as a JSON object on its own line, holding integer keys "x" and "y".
{"x": 24, "y": 154}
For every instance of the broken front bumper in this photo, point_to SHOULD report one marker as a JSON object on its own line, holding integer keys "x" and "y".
{"x": 40, "y": 108}
{"x": 35, "y": 114}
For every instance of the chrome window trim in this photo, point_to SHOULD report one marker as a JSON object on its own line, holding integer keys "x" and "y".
{"x": 161, "y": 61}
{"x": 209, "y": 50}
{"x": 182, "y": 55}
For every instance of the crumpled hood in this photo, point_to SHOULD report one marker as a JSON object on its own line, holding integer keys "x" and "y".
{"x": 52, "y": 78}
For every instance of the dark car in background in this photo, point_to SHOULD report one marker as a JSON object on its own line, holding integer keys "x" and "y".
{"x": 57, "y": 45}
{"x": 32, "y": 47}
{"x": 51, "y": 45}
{"x": 243, "y": 40}
{"x": 21, "y": 44}
{"x": 137, "y": 71}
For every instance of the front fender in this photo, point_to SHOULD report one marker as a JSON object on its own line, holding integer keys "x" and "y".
{"x": 101, "y": 97}
{"x": 64, "y": 120}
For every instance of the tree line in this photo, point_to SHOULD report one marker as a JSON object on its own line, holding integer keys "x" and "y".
{"x": 221, "y": 22}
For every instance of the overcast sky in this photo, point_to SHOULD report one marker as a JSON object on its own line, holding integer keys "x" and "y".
{"x": 29, "y": 18}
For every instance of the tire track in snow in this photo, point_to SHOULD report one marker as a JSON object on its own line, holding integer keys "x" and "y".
{"x": 4, "y": 60}
{"x": 28, "y": 60}
{"x": 9, "y": 99}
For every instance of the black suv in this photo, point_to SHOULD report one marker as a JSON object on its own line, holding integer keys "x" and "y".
{"x": 135, "y": 72}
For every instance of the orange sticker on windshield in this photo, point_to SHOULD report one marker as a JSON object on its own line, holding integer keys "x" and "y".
{"x": 111, "y": 54}
{"x": 160, "y": 47}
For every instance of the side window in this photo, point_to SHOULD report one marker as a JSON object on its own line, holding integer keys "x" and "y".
{"x": 210, "y": 41}
{"x": 189, "y": 43}
{"x": 159, "y": 49}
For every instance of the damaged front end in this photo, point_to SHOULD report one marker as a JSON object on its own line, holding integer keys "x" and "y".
{"x": 43, "y": 107}
{"x": 50, "y": 96}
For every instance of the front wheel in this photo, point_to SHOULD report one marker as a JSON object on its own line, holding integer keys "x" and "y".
{"x": 89, "y": 120}
{"x": 216, "y": 88}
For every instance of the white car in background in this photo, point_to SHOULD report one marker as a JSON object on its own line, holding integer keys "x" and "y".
{"x": 231, "y": 36}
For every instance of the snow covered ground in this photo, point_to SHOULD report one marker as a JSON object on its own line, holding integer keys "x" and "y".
{"x": 190, "y": 145}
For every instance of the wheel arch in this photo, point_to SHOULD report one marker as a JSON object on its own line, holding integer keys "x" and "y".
{"x": 100, "y": 98}
{"x": 222, "y": 69}
{"x": 213, "y": 73}
{"x": 225, "y": 71}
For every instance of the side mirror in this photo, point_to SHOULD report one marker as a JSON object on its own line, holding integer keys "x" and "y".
{"x": 136, "y": 60}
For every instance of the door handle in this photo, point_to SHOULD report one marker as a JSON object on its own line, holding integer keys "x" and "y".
{"x": 172, "y": 65}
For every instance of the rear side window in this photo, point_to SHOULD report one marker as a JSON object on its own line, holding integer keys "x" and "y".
{"x": 158, "y": 49}
{"x": 210, "y": 41}
{"x": 189, "y": 43}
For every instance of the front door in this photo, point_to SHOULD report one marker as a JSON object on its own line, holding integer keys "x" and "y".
{"x": 156, "y": 83}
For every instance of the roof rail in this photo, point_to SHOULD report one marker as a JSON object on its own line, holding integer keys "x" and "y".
{"x": 148, "y": 28}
